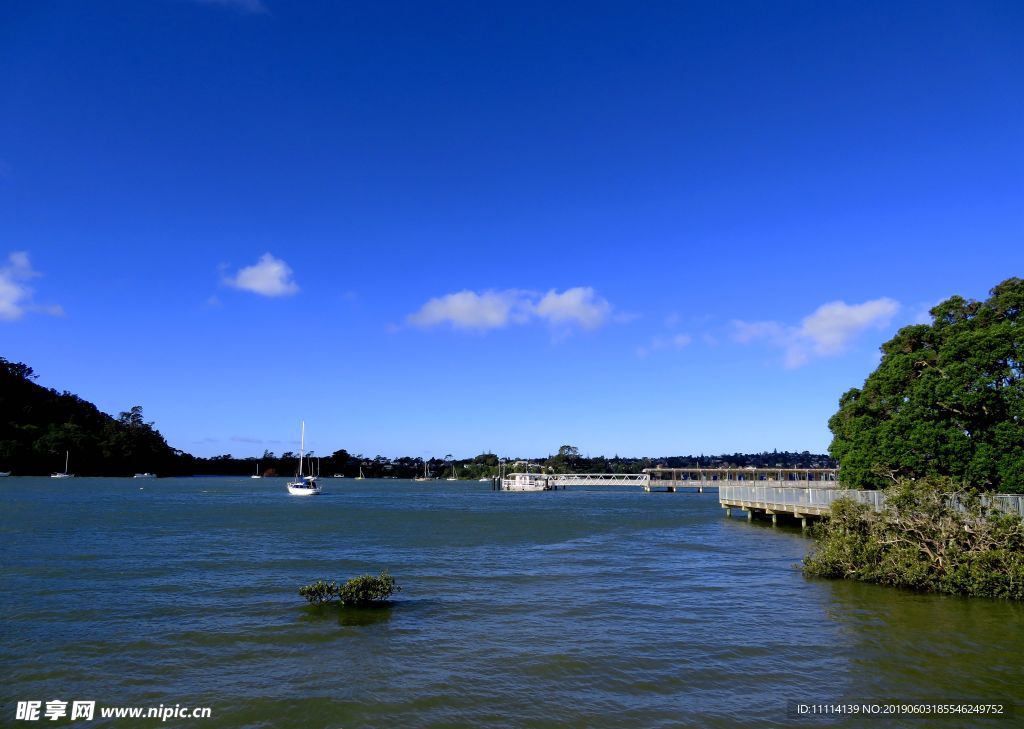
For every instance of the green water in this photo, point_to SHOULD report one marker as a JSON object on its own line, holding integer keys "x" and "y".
{"x": 602, "y": 608}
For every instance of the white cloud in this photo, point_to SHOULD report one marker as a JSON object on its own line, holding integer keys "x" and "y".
{"x": 826, "y": 332}
{"x": 575, "y": 307}
{"x": 470, "y": 310}
{"x": 676, "y": 341}
{"x": 268, "y": 277}
{"x": 580, "y": 306}
{"x": 16, "y": 294}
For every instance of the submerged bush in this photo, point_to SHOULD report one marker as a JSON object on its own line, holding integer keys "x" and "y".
{"x": 319, "y": 592}
{"x": 362, "y": 590}
{"x": 366, "y": 589}
{"x": 930, "y": 536}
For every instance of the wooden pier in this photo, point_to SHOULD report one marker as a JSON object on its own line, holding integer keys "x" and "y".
{"x": 702, "y": 479}
{"x": 804, "y": 503}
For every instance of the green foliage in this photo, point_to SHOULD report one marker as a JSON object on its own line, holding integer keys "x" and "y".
{"x": 38, "y": 425}
{"x": 367, "y": 589}
{"x": 947, "y": 399}
{"x": 359, "y": 591}
{"x": 319, "y": 592}
{"x": 930, "y": 536}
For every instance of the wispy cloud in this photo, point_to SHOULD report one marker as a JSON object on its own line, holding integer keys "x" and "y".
{"x": 579, "y": 307}
{"x": 246, "y": 439}
{"x": 16, "y": 294}
{"x": 657, "y": 344}
{"x": 245, "y": 6}
{"x": 268, "y": 277}
{"x": 826, "y": 332}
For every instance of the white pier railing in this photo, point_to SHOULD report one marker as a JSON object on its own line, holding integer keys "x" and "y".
{"x": 562, "y": 480}
{"x": 811, "y": 501}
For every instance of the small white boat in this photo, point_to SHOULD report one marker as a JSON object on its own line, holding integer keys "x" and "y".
{"x": 144, "y": 475}
{"x": 454, "y": 476}
{"x": 424, "y": 477}
{"x": 338, "y": 475}
{"x": 303, "y": 485}
{"x": 4, "y": 474}
{"x": 485, "y": 478}
{"x": 360, "y": 477}
{"x": 67, "y": 459}
{"x": 257, "y": 474}
{"x": 526, "y": 482}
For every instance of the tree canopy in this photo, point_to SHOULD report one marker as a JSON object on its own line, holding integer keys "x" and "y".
{"x": 947, "y": 399}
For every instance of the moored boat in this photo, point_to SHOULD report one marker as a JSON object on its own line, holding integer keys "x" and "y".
{"x": 526, "y": 482}
{"x": 303, "y": 485}
{"x": 65, "y": 474}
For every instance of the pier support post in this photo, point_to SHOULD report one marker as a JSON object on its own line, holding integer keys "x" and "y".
{"x": 728, "y": 512}
{"x": 775, "y": 519}
{"x": 750, "y": 514}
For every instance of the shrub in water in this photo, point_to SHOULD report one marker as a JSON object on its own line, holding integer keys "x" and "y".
{"x": 367, "y": 589}
{"x": 319, "y": 592}
{"x": 930, "y": 536}
{"x": 362, "y": 590}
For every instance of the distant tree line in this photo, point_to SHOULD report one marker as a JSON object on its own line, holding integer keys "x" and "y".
{"x": 39, "y": 425}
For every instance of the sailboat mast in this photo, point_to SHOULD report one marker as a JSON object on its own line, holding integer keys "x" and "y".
{"x": 67, "y": 460}
{"x": 302, "y": 446}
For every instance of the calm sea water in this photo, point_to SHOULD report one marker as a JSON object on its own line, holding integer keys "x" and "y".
{"x": 581, "y": 608}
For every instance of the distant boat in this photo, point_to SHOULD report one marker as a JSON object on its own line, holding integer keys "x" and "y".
{"x": 144, "y": 475}
{"x": 67, "y": 459}
{"x": 454, "y": 476}
{"x": 338, "y": 475}
{"x": 424, "y": 477}
{"x": 303, "y": 485}
{"x": 360, "y": 477}
{"x": 485, "y": 478}
{"x": 4, "y": 474}
{"x": 257, "y": 474}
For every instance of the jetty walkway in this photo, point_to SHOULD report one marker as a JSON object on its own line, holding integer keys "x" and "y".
{"x": 804, "y": 503}
{"x": 702, "y": 479}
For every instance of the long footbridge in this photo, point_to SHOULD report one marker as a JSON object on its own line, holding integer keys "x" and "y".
{"x": 702, "y": 479}
{"x": 801, "y": 493}
{"x": 693, "y": 479}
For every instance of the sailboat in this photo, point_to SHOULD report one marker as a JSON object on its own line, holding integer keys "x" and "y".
{"x": 303, "y": 485}
{"x": 257, "y": 474}
{"x": 360, "y": 477}
{"x": 424, "y": 477}
{"x": 67, "y": 459}
{"x": 454, "y": 476}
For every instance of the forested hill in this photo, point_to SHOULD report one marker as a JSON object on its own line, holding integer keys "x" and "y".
{"x": 38, "y": 425}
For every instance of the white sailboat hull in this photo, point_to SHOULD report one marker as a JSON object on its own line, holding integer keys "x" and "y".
{"x": 301, "y": 489}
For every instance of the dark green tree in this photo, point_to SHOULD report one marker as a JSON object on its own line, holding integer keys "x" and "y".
{"x": 947, "y": 399}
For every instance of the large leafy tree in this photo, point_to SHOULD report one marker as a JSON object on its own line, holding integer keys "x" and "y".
{"x": 947, "y": 399}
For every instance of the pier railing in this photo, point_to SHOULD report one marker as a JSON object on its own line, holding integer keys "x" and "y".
{"x": 802, "y": 500}
{"x": 598, "y": 479}
{"x": 796, "y": 499}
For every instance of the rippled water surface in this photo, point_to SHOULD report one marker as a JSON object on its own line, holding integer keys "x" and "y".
{"x": 600, "y": 608}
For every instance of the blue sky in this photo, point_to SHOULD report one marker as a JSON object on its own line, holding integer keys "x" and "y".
{"x": 431, "y": 228}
